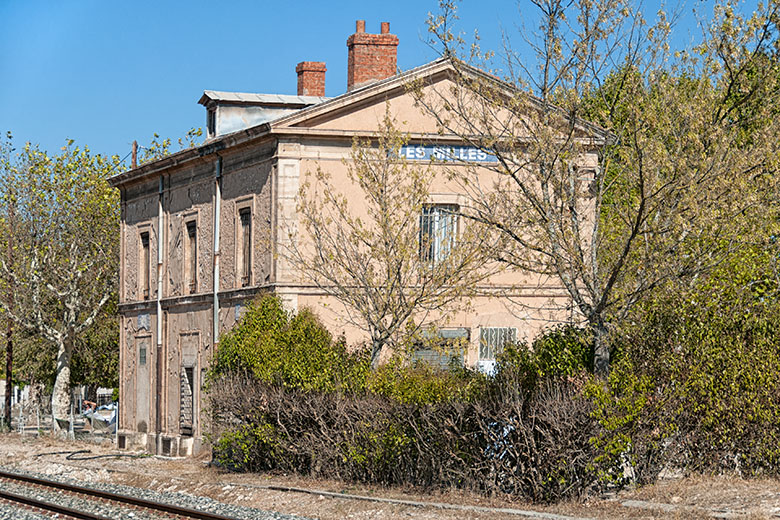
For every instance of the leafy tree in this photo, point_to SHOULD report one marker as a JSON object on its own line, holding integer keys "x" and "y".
{"x": 60, "y": 281}
{"x": 95, "y": 360}
{"x": 66, "y": 240}
{"x": 159, "y": 148}
{"x": 675, "y": 181}
{"x": 371, "y": 256}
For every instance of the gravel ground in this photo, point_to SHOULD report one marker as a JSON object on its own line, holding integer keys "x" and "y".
{"x": 109, "y": 511}
{"x": 186, "y": 479}
{"x": 8, "y": 512}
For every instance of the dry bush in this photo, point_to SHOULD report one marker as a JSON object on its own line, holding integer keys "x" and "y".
{"x": 531, "y": 446}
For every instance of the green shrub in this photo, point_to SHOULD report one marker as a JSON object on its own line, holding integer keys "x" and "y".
{"x": 696, "y": 385}
{"x": 297, "y": 352}
{"x": 248, "y": 447}
{"x": 293, "y": 351}
{"x": 420, "y": 383}
{"x": 561, "y": 352}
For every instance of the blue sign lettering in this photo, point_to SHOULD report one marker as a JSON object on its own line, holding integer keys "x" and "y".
{"x": 447, "y": 153}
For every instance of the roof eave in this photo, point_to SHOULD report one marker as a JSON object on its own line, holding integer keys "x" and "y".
{"x": 208, "y": 148}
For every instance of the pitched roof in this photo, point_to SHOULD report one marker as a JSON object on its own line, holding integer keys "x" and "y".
{"x": 320, "y": 107}
{"x": 248, "y": 98}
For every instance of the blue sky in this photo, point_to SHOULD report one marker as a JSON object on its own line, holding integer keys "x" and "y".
{"x": 105, "y": 73}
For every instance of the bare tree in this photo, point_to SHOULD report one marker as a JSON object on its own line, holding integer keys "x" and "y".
{"x": 379, "y": 248}
{"x": 66, "y": 236}
{"x": 656, "y": 190}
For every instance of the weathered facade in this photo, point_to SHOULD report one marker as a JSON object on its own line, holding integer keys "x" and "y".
{"x": 202, "y": 230}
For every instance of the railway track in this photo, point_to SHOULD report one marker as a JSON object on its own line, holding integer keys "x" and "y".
{"x": 38, "y": 495}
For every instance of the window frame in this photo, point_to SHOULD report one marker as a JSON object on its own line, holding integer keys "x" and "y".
{"x": 145, "y": 263}
{"x": 190, "y": 285}
{"x": 187, "y": 371}
{"x": 211, "y": 122}
{"x": 442, "y": 347}
{"x": 444, "y": 238}
{"x": 244, "y": 247}
{"x": 142, "y": 347}
{"x": 243, "y": 278}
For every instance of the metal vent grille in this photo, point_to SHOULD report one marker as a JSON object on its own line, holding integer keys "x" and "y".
{"x": 493, "y": 339}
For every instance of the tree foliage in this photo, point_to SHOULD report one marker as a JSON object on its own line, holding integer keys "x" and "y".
{"x": 363, "y": 245}
{"x": 65, "y": 238}
{"x": 686, "y": 146}
{"x": 161, "y": 147}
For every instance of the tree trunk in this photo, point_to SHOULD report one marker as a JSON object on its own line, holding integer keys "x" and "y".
{"x": 600, "y": 348}
{"x": 9, "y": 381}
{"x": 60, "y": 399}
{"x": 376, "y": 350}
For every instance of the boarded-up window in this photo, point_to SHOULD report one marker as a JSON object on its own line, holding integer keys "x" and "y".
{"x": 191, "y": 257}
{"x": 493, "y": 339}
{"x": 186, "y": 410}
{"x": 145, "y": 262}
{"x": 245, "y": 247}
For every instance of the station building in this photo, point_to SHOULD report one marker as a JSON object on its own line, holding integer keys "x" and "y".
{"x": 202, "y": 229}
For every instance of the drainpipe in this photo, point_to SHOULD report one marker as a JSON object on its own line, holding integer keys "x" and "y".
{"x": 217, "y": 208}
{"x": 160, "y": 246}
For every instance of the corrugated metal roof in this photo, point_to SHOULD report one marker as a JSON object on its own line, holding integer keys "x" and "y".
{"x": 259, "y": 99}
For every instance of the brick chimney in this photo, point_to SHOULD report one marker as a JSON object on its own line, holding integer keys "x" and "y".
{"x": 311, "y": 78}
{"x": 371, "y": 56}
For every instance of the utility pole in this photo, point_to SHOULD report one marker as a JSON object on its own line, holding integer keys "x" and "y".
{"x": 9, "y": 343}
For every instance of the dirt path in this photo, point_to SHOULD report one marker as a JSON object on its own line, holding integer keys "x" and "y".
{"x": 700, "y": 497}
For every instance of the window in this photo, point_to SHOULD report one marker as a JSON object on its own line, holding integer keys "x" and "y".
{"x": 211, "y": 122}
{"x": 187, "y": 401}
{"x": 438, "y": 228}
{"x": 145, "y": 261}
{"x": 244, "y": 247}
{"x": 442, "y": 348}
{"x": 142, "y": 353}
{"x": 493, "y": 339}
{"x": 191, "y": 257}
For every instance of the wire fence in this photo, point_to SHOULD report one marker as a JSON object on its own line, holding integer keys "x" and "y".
{"x": 88, "y": 420}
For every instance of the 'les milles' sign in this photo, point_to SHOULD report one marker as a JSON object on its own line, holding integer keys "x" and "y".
{"x": 446, "y": 153}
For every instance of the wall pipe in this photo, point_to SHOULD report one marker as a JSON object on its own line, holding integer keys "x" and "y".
{"x": 217, "y": 211}
{"x": 160, "y": 245}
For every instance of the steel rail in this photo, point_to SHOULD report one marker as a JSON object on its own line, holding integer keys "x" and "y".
{"x": 50, "y": 506}
{"x": 116, "y": 497}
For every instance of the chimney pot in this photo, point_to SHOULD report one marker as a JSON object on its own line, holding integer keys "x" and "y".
{"x": 311, "y": 78}
{"x": 372, "y": 57}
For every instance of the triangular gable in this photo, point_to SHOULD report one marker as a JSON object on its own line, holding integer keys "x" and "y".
{"x": 362, "y": 110}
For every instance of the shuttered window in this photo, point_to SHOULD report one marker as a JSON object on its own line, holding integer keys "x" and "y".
{"x": 145, "y": 265}
{"x": 191, "y": 257}
{"x": 245, "y": 246}
{"x": 187, "y": 403}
